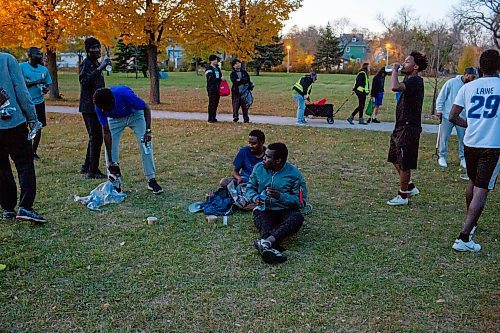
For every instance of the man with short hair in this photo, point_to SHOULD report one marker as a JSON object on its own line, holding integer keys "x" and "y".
{"x": 302, "y": 93}
{"x": 17, "y": 113}
{"x": 118, "y": 108}
{"x": 403, "y": 151}
{"x": 249, "y": 156}
{"x": 91, "y": 79}
{"x": 480, "y": 101}
{"x": 37, "y": 80}
{"x": 444, "y": 102}
{"x": 214, "y": 78}
{"x": 279, "y": 190}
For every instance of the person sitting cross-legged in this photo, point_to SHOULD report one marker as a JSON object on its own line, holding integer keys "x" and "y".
{"x": 279, "y": 190}
{"x": 249, "y": 156}
{"x": 117, "y": 108}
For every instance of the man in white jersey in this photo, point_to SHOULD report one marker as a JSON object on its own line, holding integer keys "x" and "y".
{"x": 480, "y": 99}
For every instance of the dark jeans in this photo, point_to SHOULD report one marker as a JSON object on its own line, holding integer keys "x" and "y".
{"x": 14, "y": 143}
{"x": 278, "y": 223}
{"x": 237, "y": 103}
{"x": 361, "y": 105}
{"x": 94, "y": 130}
{"x": 213, "y": 103}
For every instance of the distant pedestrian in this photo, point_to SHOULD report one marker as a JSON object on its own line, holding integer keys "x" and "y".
{"x": 403, "y": 151}
{"x": 91, "y": 79}
{"x": 241, "y": 87}
{"x": 38, "y": 81}
{"x": 214, "y": 79}
{"x": 377, "y": 93}
{"x": 361, "y": 89}
{"x": 444, "y": 102}
{"x": 302, "y": 93}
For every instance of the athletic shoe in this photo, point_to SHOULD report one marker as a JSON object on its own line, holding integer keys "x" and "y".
{"x": 9, "y": 214}
{"x": 235, "y": 120}
{"x": 36, "y": 157}
{"x": 349, "y": 120}
{"x": 30, "y": 216}
{"x": 97, "y": 175}
{"x": 153, "y": 186}
{"x": 369, "y": 120}
{"x": 442, "y": 162}
{"x": 273, "y": 256}
{"x": 362, "y": 122}
{"x": 414, "y": 192}
{"x": 376, "y": 121}
{"x": 463, "y": 165}
{"x": 398, "y": 201}
{"x": 472, "y": 232}
{"x": 84, "y": 170}
{"x": 464, "y": 176}
{"x": 299, "y": 123}
{"x": 461, "y": 246}
{"x": 262, "y": 245}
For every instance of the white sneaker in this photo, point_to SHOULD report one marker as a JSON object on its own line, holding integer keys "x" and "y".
{"x": 464, "y": 176}
{"x": 442, "y": 162}
{"x": 463, "y": 165}
{"x": 398, "y": 201}
{"x": 462, "y": 246}
{"x": 414, "y": 192}
{"x": 301, "y": 123}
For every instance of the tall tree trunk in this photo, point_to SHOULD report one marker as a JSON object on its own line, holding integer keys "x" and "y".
{"x": 52, "y": 67}
{"x": 257, "y": 70}
{"x": 154, "y": 77}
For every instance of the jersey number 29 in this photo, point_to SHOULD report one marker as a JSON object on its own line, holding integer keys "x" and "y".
{"x": 490, "y": 105}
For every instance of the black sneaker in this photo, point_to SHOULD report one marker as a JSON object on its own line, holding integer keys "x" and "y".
{"x": 36, "y": 157}
{"x": 97, "y": 175}
{"x": 9, "y": 214}
{"x": 84, "y": 170}
{"x": 261, "y": 245}
{"x": 30, "y": 216}
{"x": 153, "y": 186}
{"x": 235, "y": 120}
{"x": 369, "y": 120}
{"x": 350, "y": 121}
{"x": 273, "y": 256}
{"x": 376, "y": 121}
{"x": 362, "y": 122}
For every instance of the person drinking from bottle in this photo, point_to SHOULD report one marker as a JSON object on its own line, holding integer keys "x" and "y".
{"x": 37, "y": 79}
{"x": 118, "y": 108}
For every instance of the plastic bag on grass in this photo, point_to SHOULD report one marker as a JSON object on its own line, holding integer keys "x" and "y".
{"x": 103, "y": 194}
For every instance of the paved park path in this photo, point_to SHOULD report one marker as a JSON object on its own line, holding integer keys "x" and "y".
{"x": 256, "y": 119}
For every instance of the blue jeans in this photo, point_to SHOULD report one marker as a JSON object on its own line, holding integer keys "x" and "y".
{"x": 445, "y": 132}
{"x": 301, "y": 107}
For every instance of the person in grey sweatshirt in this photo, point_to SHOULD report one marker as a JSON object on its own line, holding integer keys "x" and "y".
{"x": 17, "y": 114}
{"x": 444, "y": 102}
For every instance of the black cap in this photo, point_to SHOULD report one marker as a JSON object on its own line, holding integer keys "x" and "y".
{"x": 471, "y": 70}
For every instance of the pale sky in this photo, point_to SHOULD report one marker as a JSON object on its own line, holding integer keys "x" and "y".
{"x": 363, "y": 13}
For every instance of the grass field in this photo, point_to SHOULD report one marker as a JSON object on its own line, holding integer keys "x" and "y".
{"x": 187, "y": 92}
{"x": 356, "y": 266}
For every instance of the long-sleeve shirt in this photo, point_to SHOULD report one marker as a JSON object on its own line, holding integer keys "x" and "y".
{"x": 91, "y": 79}
{"x": 447, "y": 95}
{"x": 12, "y": 81}
{"x": 239, "y": 78}
{"x": 214, "y": 76}
{"x": 377, "y": 85}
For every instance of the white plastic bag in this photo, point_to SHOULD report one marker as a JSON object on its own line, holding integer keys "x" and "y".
{"x": 103, "y": 194}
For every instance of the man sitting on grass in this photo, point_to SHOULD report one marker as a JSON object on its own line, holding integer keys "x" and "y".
{"x": 117, "y": 108}
{"x": 249, "y": 156}
{"x": 280, "y": 190}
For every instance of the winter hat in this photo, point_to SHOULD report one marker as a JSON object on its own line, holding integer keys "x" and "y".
{"x": 91, "y": 41}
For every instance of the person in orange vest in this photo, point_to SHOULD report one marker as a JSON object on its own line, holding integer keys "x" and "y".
{"x": 361, "y": 89}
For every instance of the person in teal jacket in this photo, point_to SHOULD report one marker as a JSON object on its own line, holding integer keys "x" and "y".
{"x": 279, "y": 190}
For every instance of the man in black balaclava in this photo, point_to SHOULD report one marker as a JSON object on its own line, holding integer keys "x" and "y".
{"x": 91, "y": 79}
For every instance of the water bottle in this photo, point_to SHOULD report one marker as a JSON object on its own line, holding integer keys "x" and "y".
{"x": 265, "y": 198}
{"x": 147, "y": 147}
{"x": 109, "y": 68}
{"x": 35, "y": 130}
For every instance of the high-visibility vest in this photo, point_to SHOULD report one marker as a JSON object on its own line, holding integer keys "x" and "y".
{"x": 298, "y": 87}
{"x": 366, "y": 88}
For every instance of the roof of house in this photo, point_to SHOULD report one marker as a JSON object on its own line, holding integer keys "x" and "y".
{"x": 347, "y": 39}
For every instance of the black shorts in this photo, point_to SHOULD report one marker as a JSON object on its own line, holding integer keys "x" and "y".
{"x": 481, "y": 163}
{"x": 403, "y": 149}
{"x": 40, "y": 113}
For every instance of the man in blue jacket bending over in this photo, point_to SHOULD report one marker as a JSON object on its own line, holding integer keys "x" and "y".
{"x": 279, "y": 190}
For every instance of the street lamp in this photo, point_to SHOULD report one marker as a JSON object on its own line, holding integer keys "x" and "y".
{"x": 387, "y": 46}
{"x": 288, "y": 47}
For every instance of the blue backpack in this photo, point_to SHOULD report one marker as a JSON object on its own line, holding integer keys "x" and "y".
{"x": 219, "y": 203}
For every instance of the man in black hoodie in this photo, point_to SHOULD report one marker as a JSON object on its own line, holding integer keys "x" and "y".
{"x": 214, "y": 78}
{"x": 91, "y": 79}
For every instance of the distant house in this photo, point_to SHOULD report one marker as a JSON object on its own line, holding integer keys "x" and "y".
{"x": 355, "y": 48}
{"x": 67, "y": 60}
{"x": 175, "y": 54}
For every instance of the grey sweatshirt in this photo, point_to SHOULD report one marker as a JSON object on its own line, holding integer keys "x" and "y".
{"x": 12, "y": 81}
{"x": 447, "y": 95}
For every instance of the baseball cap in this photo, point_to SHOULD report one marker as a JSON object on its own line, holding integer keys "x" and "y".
{"x": 471, "y": 70}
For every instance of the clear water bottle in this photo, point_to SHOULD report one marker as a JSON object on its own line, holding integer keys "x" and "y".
{"x": 265, "y": 199}
{"x": 147, "y": 147}
{"x": 109, "y": 68}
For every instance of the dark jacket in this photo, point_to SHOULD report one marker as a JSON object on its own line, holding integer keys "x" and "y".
{"x": 91, "y": 79}
{"x": 245, "y": 79}
{"x": 377, "y": 85}
{"x": 360, "y": 82}
{"x": 305, "y": 82}
{"x": 213, "y": 75}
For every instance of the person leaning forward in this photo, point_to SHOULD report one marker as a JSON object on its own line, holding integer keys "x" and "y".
{"x": 279, "y": 190}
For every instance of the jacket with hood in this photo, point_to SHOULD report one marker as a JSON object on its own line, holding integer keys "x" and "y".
{"x": 447, "y": 95}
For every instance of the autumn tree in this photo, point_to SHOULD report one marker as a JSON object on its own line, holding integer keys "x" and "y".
{"x": 468, "y": 58}
{"x": 267, "y": 56}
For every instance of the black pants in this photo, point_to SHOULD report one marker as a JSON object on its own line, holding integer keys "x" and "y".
{"x": 361, "y": 105}
{"x": 280, "y": 223}
{"x": 14, "y": 143}
{"x": 237, "y": 103}
{"x": 213, "y": 103}
{"x": 94, "y": 130}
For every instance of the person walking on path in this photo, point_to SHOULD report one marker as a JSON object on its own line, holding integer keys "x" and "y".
{"x": 17, "y": 114}
{"x": 241, "y": 84}
{"x": 38, "y": 80}
{"x": 118, "y": 108}
{"x": 279, "y": 190}
{"x": 444, "y": 102}
{"x": 480, "y": 100}
{"x": 377, "y": 94}
{"x": 361, "y": 89}
{"x": 91, "y": 79}
{"x": 214, "y": 78}
{"x": 403, "y": 151}
{"x": 301, "y": 93}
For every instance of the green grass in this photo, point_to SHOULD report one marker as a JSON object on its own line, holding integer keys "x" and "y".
{"x": 187, "y": 92}
{"x": 356, "y": 266}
